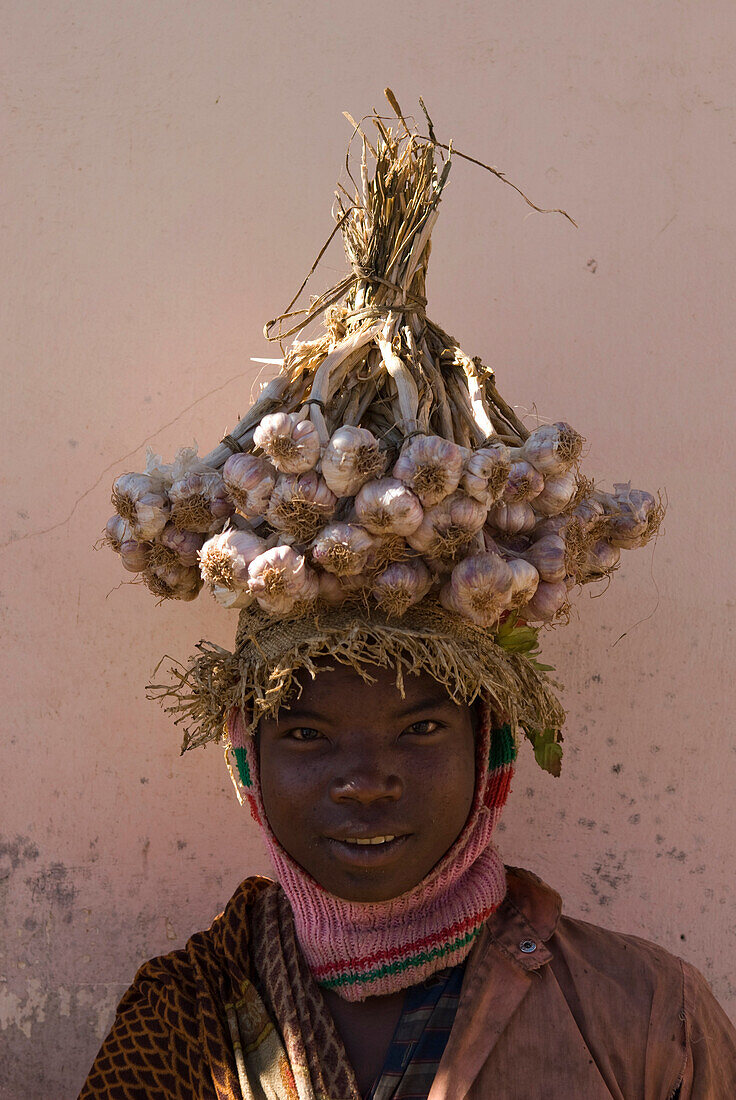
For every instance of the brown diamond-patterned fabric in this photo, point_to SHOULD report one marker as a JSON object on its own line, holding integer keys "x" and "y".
{"x": 234, "y": 1015}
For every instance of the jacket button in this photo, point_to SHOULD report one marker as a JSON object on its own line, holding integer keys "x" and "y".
{"x": 527, "y": 946}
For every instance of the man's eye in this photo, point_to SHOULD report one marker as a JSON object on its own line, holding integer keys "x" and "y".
{"x": 304, "y": 733}
{"x": 426, "y": 726}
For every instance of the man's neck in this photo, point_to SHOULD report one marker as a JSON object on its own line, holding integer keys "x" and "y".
{"x": 366, "y": 1029}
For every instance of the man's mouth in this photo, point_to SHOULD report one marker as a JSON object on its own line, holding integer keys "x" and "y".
{"x": 367, "y": 839}
{"x": 367, "y": 851}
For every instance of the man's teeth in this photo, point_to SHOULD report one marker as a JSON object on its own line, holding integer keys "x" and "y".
{"x": 369, "y": 839}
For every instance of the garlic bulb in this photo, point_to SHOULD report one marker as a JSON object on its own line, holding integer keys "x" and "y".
{"x": 558, "y": 491}
{"x": 300, "y": 504}
{"x": 386, "y": 507}
{"x": 385, "y": 551}
{"x": 448, "y": 527}
{"x": 511, "y": 546}
{"x": 549, "y": 601}
{"x": 183, "y": 545}
{"x": 600, "y": 560}
{"x": 489, "y": 543}
{"x": 281, "y": 580}
{"x": 233, "y": 599}
{"x": 289, "y": 440}
{"x": 512, "y": 519}
{"x": 431, "y": 466}
{"x": 249, "y": 481}
{"x": 141, "y": 500}
{"x": 117, "y": 531}
{"x": 552, "y": 448}
{"x": 588, "y": 511}
{"x": 356, "y": 586}
{"x": 401, "y": 585}
{"x": 330, "y": 590}
{"x": 548, "y": 556}
{"x": 480, "y": 589}
{"x": 525, "y": 581}
{"x": 524, "y": 483}
{"x": 199, "y": 501}
{"x": 342, "y": 548}
{"x": 351, "y": 458}
{"x": 634, "y": 517}
{"x": 225, "y": 559}
{"x": 552, "y": 525}
{"x": 135, "y": 555}
{"x": 187, "y": 594}
{"x": 173, "y": 582}
{"x": 486, "y": 472}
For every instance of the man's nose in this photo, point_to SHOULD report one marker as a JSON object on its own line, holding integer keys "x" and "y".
{"x": 366, "y": 784}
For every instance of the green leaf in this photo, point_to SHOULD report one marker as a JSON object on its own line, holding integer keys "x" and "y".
{"x": 548, "y": 751}
{"x": 517, "y": 637}
{"x": 507, "y": 626}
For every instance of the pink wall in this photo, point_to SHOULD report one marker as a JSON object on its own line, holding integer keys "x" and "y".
{"x": 168, "y": 176}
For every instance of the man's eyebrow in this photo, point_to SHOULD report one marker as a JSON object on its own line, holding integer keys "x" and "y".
{"x": 291, "y": 714}
{"x": 429, "y": 703}
{"x": 299, "y": 713}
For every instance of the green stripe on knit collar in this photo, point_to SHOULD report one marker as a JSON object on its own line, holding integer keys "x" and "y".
{"x": 398, "y": 967}
{"x": 503, "y": 747}
{"x": 241, "y": 760}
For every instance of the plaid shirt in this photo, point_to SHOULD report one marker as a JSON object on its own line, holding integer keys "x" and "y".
{"x": 420, "y": 1038}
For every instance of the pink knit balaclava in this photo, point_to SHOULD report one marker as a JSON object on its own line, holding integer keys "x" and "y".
{"x": 364, "y": 949}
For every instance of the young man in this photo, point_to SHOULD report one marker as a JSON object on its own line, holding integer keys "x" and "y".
{"x": 397, "y": 957}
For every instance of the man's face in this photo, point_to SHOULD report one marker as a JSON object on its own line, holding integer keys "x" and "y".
{"x": 350, "y": 762}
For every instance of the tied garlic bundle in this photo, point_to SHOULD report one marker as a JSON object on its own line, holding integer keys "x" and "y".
{"x": 162, "y": 517}
{"x": 381, "y": 466}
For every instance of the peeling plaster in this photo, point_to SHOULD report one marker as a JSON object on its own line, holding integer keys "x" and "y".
{"x": 49, "y": 1039}
{"x": 23, "y": 1012}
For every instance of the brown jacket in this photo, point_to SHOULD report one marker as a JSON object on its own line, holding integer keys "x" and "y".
{"x": 559, "y": 1009}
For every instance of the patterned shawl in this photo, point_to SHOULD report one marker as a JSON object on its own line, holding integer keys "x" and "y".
{"x": 235, "y": 1015}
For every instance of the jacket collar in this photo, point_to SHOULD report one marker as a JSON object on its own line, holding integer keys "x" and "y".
{"x": 525, "y": 919}
{"x": 512, "y": 944}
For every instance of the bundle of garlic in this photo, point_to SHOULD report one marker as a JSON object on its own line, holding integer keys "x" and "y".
{"x": 163, "y": 517}
{"x": 382, "y": 466}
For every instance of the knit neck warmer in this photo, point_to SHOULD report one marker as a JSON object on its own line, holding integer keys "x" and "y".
{"x": 367, "y": 949}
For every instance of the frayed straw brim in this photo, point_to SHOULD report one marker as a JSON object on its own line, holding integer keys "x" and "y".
{"x": 259, "y": 677}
